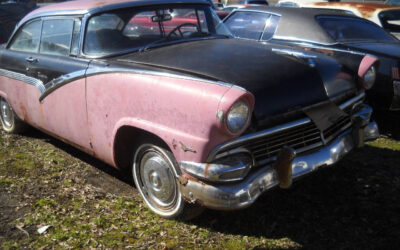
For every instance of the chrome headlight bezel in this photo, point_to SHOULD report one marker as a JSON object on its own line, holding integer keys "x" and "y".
{"x": 237, "y": 117}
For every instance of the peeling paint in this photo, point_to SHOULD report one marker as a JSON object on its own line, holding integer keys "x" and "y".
{"x": 185, "y": 148}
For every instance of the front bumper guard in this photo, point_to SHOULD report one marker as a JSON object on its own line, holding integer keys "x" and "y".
{"x": 242, "y": 194}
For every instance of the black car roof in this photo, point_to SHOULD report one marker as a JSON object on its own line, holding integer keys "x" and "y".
{"x": 300, "y": 23}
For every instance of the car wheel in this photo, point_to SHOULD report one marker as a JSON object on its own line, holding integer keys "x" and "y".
{"x": 155, "y": 174}
{"x": 9, "y": 120}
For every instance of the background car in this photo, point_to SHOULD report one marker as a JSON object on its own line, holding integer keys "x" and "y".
{"x": 197, "y": 117}
{"x": 258, "y": 2}
{"x": 386, "y": 16}
{"x": 10, "y": 14}
{"x": 335, "y": 33}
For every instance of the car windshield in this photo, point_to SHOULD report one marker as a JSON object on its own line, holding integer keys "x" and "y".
{"x": 343, "y": 29}
{"x": 390, "y": 20}
{"x": 140, "y": 29}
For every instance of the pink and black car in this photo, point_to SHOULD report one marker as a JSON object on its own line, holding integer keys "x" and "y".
{"x": 161, "y": 88}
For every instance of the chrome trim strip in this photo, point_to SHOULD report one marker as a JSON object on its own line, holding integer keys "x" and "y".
{"x": 276, "y": 129}
{"x": 296, "y": 39}
{"x": 352, "y": 101}
{"x": 24, "y": 78}
{"x": 54, "y": 84}
{"x": 293, "y": 52}
{"x": 64, "y": 79}
{"x": 106, "y": 70}
{"x": 315, "y": 45}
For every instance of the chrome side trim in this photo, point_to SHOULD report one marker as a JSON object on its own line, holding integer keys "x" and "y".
{"x": 292, "y": 52}
{"x": 24, "y": 78}
{"x": 276, "y": 129}
{"x": 61, "y": 81}
{"x": 315, "y": 44}
{"x": 157, "y": 73}
{"x": 65, "y": 79}
{"x": 107, "y": 70}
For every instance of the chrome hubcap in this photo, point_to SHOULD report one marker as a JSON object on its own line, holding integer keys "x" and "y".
{"x": 7, "y": 115}
{"x": 158, "y": 180}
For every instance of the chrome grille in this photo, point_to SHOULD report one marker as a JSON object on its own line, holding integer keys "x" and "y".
{"x": 301, "y": 135}
{"x": 301, "y": 138}
{"x": 297, "y": 137}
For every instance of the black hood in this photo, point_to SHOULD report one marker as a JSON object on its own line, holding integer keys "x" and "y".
{"x": 279, "y": 82}
{"x": 376, "y": 48}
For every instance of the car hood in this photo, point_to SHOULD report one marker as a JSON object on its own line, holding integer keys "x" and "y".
{"x": 279, "y": 81}
{"x": 376, "y": 48}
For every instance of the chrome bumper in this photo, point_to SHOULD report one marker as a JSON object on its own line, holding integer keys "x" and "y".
{"x": 242, "y": 194}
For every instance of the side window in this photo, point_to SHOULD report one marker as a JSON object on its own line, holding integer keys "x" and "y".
{"x": 56, "y": 37}
{"x": 75, "y": 37}
{"x": 27, "y": 39}
{"x": 249, "y": 25}
{"x": 270, "y": 28}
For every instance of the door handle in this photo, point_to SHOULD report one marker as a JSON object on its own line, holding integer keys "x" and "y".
{"x": 31, "y": 59}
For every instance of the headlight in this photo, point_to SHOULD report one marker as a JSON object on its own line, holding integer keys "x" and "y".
{"x": 369, "y": 78}
{"x": 237, "y": 116}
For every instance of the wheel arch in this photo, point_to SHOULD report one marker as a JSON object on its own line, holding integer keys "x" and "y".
{"x": 127, "y": 138}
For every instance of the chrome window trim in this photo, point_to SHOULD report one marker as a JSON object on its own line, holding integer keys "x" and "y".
{"x": 21, "y": 77}
{"x": 254, "y": 136}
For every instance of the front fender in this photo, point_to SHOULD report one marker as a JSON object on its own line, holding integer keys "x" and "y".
{"x": 182, "y": 112}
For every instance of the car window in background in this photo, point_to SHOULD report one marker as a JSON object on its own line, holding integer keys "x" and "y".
{"x": 390, "y": 20}
{"x": 56, "y": 37}
{"x": 270, "y": 28}
{"x": 249, "y": 25}
{"x": 353, "y": 29}
{"x": 261, "y": 2}
{"x": 28, "y": 37}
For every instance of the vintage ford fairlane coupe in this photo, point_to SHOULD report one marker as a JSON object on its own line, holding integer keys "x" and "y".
{"x": 161, "y": 88}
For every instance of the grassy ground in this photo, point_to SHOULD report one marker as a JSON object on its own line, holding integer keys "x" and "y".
{"x": 355, "y": 204}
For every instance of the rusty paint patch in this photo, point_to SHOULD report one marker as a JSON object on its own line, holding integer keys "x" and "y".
{"x": 24, "y": 112}
{"x": 185, "y": 148}
{"x": 192, "y": 178}
{"x": 182, "y": 180}
{"x": 206, "y": 169}
{"x": 174, "y": 144}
